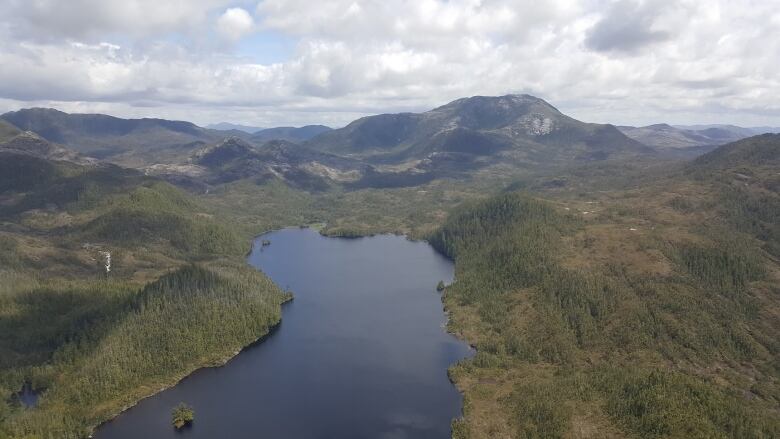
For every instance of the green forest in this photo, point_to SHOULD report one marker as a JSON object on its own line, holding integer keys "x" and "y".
{"x": 609, "y": 300}
{"x": 90, "y": 341}
{"x": 112, "y": 344}
{"x": 623, "y": 352}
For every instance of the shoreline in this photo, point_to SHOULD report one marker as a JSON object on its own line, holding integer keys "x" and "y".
{"x": 212, "y": 365}
{"x": 275, "y": 327}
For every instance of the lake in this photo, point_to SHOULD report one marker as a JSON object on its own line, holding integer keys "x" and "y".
{"x": 361, "y": 352}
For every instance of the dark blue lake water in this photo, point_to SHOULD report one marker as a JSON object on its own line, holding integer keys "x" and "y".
{"x": 27, "y": 396}
{"x": 361, "y": 351}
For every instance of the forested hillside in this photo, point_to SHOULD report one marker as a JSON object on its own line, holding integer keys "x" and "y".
{"x": 612, "y": 321}
{"x": 112, "y": 285}
{"x": 112, "y": 344}
{"x": 128, "y": 141}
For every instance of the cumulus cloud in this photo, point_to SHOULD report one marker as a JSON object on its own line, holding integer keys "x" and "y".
{"x": 39, "y": 19}
{"x": 624, "y": 61}
{"x": 235, "y": 23}
{"x": 629, "y": 25}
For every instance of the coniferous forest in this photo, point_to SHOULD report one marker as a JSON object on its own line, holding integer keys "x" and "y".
{"x": 647, "y": 354}
{"x": 112, "y": 343}
{"x": 610, "y": 290}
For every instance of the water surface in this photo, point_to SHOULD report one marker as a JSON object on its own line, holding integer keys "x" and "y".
{"x": 361, "y": 351}
{"x": 27, "y": 396}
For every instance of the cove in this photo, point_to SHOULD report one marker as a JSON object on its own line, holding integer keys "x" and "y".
{"x": 361, "y": 351}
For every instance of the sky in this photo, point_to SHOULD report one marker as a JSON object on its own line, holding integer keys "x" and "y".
{"x": 296, "y": 62}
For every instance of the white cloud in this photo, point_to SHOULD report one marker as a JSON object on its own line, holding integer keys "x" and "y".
{"x": 625, "y": 61}
{"x": 235, "y": 23}
{"x": 628, "y": 26}
{"x": 40, "y": 19}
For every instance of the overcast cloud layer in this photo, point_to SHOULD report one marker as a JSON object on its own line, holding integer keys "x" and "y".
{"x": 292, "y": 62}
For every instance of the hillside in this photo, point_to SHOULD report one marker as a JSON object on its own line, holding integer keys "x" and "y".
{"x": 127, "y": 141}
{"x": 688, "y": 141}
{"x": 235, "y": 159}
{"x": 647, "y": 312}
{"x": 745, "y": 175}
{"x": 742, "y": 132}
{"x": 291, "y": 134}
{"x": 74, "y": 210}
{"x": 8, "y": 131}
{"x": 755, "y": 152}
{"x": 93, "y": 348}
{"x": 30, "y": 143}
{"x": 227, "y": 126}
{"x": 93, "y": 333}
{"x": 521, "y": 128}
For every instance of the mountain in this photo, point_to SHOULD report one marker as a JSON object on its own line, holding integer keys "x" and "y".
{"x": 663, "y": 136}
{"x": 735, "y": 130}
{"x": 515, "y": 133}
{"x": 7, "y": 130}
{"x": 131, "y": 142}
{"x": 691, "y": 140}
{"x": 521, "y": 129}
{"x": 766, "y": 130}
{"x": 226, "y": 152}
{"x": 32, "y": 144}
{"x": 227, "y": 126}
{"x": 721, "y": 130}
{"x": 105, "y": 203}
{"x": 749, "y": 154}
{"x": 745, "y": 176}
{"x": 235, "y": 159}
{"x": 291, "y": 134}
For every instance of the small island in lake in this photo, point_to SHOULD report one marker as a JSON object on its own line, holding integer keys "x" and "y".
{"x": 440, "y": 286}
{"x": 266, "y": 243}
{"x": 182, "y": 415}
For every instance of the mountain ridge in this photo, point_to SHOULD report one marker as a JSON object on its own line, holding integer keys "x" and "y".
{"x": 292, "y": 134}
{"x": 511, "y": 122}
{"x": 227, "y": 126}
{"x": 689, "y": 140}
{"x": 126, "y": 141}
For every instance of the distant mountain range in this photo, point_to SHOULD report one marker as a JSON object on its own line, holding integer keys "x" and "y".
{"x": 695, "y": 139}
{"x": 291, "y": 134}
{"x": 512, "y": 132}
{"x": 750, "y": 131}
{"x": 751, "y": 153}
{"x": 131, "y": 142}
{"x": 385, "y": 150}
{"x": 135, "y": 142}
{"x": 227, "y": 126}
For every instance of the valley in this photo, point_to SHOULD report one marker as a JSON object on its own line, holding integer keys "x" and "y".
{"x": 365, "y": 318}
{"x": 609, "y": 287}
